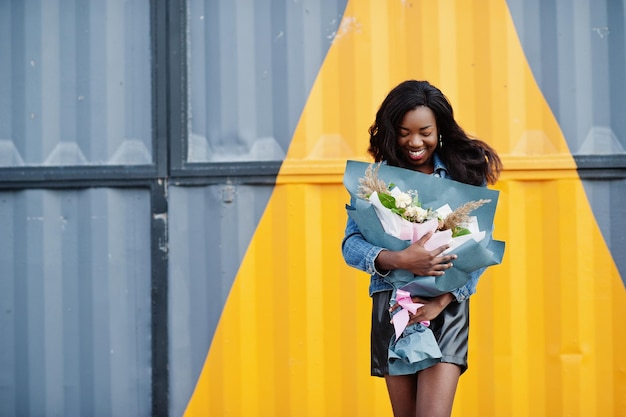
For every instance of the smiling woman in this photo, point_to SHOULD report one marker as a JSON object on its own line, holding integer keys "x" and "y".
{"x": 418, "y": 138}
{"x": 415, "y": 120}
{"x": 409, "y": 122}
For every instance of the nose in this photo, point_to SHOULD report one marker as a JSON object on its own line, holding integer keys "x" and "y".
{"x": 416, "y": 140}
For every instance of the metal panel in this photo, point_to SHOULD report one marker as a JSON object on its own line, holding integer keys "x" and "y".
{"x": 210, "y": 229}
{"x": 251, "y": 66}
{"x": 75, "y": 302}
{"x": 75, "y": 84}
{"x": 577, "y": 54}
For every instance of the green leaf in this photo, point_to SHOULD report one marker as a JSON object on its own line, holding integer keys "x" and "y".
{"x": 460, "y": 231}
{"x": 387, "y": 200}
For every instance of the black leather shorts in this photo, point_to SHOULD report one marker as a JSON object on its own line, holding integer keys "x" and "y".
{"x": 451, "y": 330}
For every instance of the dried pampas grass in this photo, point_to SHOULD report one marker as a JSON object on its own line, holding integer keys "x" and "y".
{"x": 460, "y": 216}
{"x": 370, "y": 182}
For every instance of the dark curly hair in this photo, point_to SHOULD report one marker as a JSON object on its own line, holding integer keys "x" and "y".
{"x": 468, "y": 160}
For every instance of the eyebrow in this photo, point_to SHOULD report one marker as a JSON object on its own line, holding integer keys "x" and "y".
{"x": 421, "y": 128}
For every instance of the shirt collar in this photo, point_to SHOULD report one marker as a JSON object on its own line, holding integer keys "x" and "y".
{"x": 440, "y": 169}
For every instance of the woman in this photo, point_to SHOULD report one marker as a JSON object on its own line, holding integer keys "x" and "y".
{"x": 415, "y": 129}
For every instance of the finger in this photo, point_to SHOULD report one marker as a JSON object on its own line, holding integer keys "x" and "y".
{"x": 419, "y": 315}
{"x": 422, "y": 241}
{"x": 444, "y": 266}
{"x": 416, "y": 318}
{"x": 440, "y": 268}
{"x": 394, "y": 307}
{"x": 444, "y": 262}
{"x": 446, "y": 258}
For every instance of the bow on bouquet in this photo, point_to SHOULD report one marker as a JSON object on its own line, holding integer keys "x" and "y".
{"x": 385, "y": 205}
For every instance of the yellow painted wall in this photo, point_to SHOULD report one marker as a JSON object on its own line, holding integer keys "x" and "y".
{"x": 546, "y": 336}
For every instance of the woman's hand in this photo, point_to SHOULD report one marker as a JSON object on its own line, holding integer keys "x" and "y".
{"x": 430, "y": 310}
{"x": 417, "y": 259}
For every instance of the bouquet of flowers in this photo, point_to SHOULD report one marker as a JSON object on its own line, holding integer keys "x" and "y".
{"x": 391, "y": 214}
{"x": 433, "y": 192}
{"x": 402, "y": 214}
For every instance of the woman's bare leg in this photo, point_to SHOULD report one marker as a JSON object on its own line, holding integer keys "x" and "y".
{"x": 402, "y": 393}
{"x": 436, "y": 387}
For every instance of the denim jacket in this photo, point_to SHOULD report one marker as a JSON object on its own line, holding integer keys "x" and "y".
{"x": 360, "y": 254}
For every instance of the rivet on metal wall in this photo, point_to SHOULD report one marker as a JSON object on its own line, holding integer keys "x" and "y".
{"x": 228, "y": 193}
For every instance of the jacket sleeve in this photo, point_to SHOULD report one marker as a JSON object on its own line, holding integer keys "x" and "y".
{"x": 358, "y": 252}
{"x": 464, "y": 292}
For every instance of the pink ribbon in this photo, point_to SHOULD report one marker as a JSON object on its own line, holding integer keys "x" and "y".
{"x": 401, "y": 318}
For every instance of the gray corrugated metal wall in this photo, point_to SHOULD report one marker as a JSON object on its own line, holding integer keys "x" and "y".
{"x": 75, "y": 88}
{"x": 75, "y": 261}
{"x": 251, "y": 66}
{"x": 578, "y": 57}
{"x": 75, "y": 302}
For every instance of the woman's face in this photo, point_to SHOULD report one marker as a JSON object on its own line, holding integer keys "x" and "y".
{"x": 418, "y": 139}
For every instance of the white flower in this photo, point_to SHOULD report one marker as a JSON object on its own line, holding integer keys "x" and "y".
{"x": 411, "y": 212}
{"x": 403, "y": 200}
{"x": 416, "y": 213}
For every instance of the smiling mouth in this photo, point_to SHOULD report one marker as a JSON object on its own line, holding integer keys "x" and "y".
{"x": 416, "y": 154}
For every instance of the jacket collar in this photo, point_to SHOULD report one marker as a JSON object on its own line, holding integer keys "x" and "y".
{"x": 440, "y": 169}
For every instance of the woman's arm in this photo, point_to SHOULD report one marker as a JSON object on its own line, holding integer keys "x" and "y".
{"x": 358, "y": 252}
{"x": 434, "y": 306}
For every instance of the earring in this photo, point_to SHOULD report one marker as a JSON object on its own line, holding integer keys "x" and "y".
{"x": 440, "y": 141}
